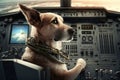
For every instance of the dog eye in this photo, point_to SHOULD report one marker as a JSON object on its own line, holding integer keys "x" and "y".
{"x": 55, "y": 21}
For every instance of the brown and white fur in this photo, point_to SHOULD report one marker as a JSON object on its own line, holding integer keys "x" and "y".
{"x": 50, "y": 29}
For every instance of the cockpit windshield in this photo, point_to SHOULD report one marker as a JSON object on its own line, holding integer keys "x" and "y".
{"x": 7, "y": 6}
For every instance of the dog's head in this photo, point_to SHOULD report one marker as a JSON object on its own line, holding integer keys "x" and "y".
{"x": 48, "y": 25}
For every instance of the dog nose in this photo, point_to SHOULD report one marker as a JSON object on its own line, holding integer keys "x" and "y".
{"x": 71, "y": 31}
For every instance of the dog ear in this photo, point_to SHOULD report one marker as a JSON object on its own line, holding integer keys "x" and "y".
{"x": 31, "y": 15}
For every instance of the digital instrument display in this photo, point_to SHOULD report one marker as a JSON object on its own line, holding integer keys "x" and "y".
{"x": 19, "y": 33}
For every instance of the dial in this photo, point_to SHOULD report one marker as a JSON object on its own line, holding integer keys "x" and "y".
{"x": 90, "y": 38}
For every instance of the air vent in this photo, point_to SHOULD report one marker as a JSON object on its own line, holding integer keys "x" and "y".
{"x": 106, "y": 43}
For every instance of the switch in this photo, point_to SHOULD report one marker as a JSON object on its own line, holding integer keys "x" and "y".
{"x": 96, "y": 73}
{"x": 101, "y": 73}
{"x": 88, "y": 76}
{"x": 86, "y": 52}
{"x": 110, "y": 71}
{"x": 10, "y": 19}
{"x": 3, "y": 33}
{"x": 0, "y": 39}
{"x": 82, "y": 53}
{"x": 96, "y": 70}
{"x": 95, "y": 79}
{"x": 1, "y": 25}
{"x": 91, "y": 53}
{"x": 6, "y": 19}
{"x": 0, "y": 49}
{"x": 5, "y": 24}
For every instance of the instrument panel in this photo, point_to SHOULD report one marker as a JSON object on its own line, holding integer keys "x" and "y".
{"x": 96, "y": 39}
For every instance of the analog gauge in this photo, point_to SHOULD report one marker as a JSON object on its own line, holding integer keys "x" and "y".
{"x": 90, "y": 38}
{"x": 83, "y": 38}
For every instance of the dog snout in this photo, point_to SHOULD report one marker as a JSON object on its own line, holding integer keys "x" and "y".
{"x": 71, "y": 31}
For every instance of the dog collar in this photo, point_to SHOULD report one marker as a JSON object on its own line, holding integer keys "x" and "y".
{"x": 51, "y": 53}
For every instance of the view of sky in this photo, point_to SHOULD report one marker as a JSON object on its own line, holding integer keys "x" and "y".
{"x": 11, "y": 5}
{"x": 109, "y": 4}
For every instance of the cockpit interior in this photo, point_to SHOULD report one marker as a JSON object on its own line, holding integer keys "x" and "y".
{"x": 96, "y": 38}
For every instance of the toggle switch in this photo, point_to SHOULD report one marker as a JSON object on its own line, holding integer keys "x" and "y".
{"x": 91, "y": 53}
{"x": 82, "y": 53}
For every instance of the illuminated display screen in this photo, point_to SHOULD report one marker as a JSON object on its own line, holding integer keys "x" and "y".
{"x": 19, "y": 33}
{"x": 87, "y": 27}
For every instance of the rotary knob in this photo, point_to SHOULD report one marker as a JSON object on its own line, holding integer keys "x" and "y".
{"x": 90, "y": 38}
{"x": 3, "y": 33}
{"x": 83, "y": 38}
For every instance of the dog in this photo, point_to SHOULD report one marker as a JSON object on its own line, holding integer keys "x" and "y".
{"x": 48, "y": 29}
